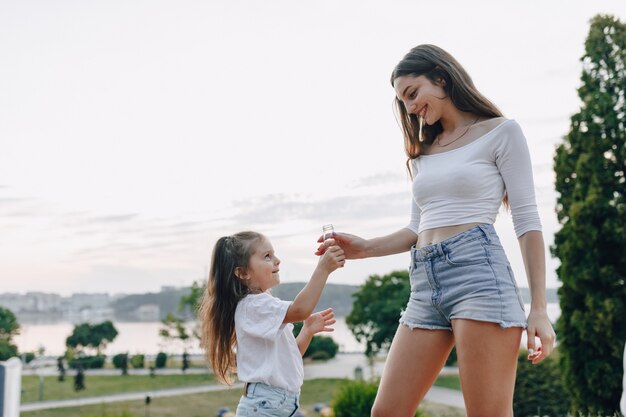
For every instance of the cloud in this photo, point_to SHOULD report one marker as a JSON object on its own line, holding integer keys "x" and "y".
{"x": 377, "y": 180}
{"x": 285, "y": 207}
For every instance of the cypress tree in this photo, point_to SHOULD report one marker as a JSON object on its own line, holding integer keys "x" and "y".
{"x": 590, "y": 164}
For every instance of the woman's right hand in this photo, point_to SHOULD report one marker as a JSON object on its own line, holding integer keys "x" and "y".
{"x": 353, "y": 246}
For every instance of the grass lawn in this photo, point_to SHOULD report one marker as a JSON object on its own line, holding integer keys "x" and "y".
{"x": 449, "y": 381}
{"x": 202, "y": 405}
{"x": 104, "y": 385}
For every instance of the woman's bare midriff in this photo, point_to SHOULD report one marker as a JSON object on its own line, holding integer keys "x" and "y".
{"x": 438, "y": 234}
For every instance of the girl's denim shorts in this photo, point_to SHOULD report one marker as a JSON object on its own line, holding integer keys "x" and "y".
{"x": 467, "y": 276}
{"x": 262, "y": 400}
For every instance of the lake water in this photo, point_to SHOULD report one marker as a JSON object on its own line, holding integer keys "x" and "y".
{"x": 144, "y": 337}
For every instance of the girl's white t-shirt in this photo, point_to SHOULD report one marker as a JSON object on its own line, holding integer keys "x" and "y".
{"x": 267, "y": 351}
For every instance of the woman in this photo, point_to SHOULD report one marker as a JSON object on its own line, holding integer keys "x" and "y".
{"x": 466, "y": 160}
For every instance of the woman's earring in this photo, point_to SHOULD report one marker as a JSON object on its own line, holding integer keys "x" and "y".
{"x": 420, "y": 136}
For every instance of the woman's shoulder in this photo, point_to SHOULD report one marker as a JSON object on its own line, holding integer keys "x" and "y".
{"x": 501, "y": 130}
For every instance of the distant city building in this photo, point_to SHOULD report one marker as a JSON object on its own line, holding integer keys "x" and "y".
{"x": 31, "y": 302}
{"x": 148, "y": 312}
{"x": 81, "y": 300}
{"x": 11, "y": 301}
{"x": 44, "y": 302}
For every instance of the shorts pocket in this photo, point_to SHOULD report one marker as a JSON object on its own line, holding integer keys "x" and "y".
{"x": 469, "y": 253}
{"x": 514, "y": 282}
{"x": 273, "y": 402}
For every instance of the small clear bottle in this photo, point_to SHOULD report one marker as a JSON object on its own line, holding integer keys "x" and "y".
{"x": 328, "y": 231}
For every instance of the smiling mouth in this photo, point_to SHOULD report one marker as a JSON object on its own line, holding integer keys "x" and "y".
{"x": 422, "y": 112}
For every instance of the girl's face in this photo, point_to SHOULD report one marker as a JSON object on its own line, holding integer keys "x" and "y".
{"x": 421, "y": 97}
{"x": 262, "y": 271}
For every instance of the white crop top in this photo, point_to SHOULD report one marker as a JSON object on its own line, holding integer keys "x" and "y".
{"x": 467, "y": 184}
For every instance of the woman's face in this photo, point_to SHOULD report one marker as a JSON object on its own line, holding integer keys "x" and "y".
{"x": 420, "y": 97}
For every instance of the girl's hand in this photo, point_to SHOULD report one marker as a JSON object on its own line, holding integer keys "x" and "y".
{"x": 539, "y": 326}
{"x": 332, "y": 258}
{"x": 320, "y": 322}
{"x": 353, "y": 246}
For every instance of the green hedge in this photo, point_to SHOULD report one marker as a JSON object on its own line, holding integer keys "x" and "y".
{"x": 88, "y": 362}
{"x": 137, "y": 361}
{"x": 539, "y": 389}
{"x": 120, "y": 360}
{"x": 356, "y": 398}
{"x": 161, "y": 360}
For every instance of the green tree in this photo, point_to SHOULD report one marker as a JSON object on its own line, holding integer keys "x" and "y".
{"x": 96, "y": 336}
{"x": 174, "y": 329}
{"x": 376, "y": 310}
{"x": 590, "y": 166}
{"x": 9, "y": 327}
{"x": 102, "y": 334}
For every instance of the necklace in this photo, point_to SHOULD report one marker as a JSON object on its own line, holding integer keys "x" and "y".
{"x": 462, "y": 134}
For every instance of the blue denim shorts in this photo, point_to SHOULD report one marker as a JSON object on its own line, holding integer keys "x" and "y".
{"x": 466, "y": 276}
{"x": 262, "y": 400}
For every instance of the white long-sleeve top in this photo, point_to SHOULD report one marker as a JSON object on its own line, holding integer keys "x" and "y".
{"x": 467, "y": 184}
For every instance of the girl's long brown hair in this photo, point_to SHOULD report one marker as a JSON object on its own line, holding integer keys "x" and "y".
{"x": 437, "y": 65}
{"x": 223, "y": 291}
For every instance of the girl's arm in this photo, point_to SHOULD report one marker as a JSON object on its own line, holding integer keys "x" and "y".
{"x": 306, "y": 300}
{"x": 532, "y": 247}
{"x": 318, "y": 322}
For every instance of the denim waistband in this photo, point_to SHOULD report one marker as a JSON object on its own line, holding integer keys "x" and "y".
{"x": 251, "y": 387}
{"x": 483, "y": 230}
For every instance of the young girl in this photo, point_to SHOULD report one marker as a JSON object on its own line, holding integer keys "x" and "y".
{"x": 244, "y": 326}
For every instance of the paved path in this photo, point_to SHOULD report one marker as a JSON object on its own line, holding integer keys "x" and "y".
{"x": 342, "y": 366}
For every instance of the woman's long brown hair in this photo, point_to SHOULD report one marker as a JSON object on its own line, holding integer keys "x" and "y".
{"x": 437, "y": 65}
{"x": 223, "y": 291}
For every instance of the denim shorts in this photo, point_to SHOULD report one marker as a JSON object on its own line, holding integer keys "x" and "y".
{"x": 262, "y": 400}
{"x": 466, "y": 276}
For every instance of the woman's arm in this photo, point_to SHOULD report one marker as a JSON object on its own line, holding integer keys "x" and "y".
{"x": 355, "y": 247}
{"x": 532, "y": 247}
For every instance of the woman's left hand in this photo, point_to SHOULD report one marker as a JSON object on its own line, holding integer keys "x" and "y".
{"x": 320, "y": 322}
{"x": 539, "y": 325}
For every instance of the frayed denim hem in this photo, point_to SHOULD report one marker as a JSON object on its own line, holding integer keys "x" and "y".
{"x": 413, "y": 326}
{"x": 503, "y": 324}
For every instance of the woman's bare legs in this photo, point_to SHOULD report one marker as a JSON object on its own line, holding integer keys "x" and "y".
{"x": 413, "y": 363}
{"x": 487, "y": 358}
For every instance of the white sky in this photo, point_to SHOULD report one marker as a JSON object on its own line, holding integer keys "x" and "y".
{"x": 135, "y": 133}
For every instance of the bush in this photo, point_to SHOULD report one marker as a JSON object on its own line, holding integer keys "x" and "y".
{"x": 137, "y": 361}
{"x": 539, "y": 389}
{"x": 88, "y": 362}
{"x": 356, "y": 398}
{"x": 28, "y": 356}
{"x": 161, "y": 360}
{"x": 321, "y": 347}
{"x": 119, "y": 360}
{"x": 7, "y": 350}
{"x": 452, "y": 360}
